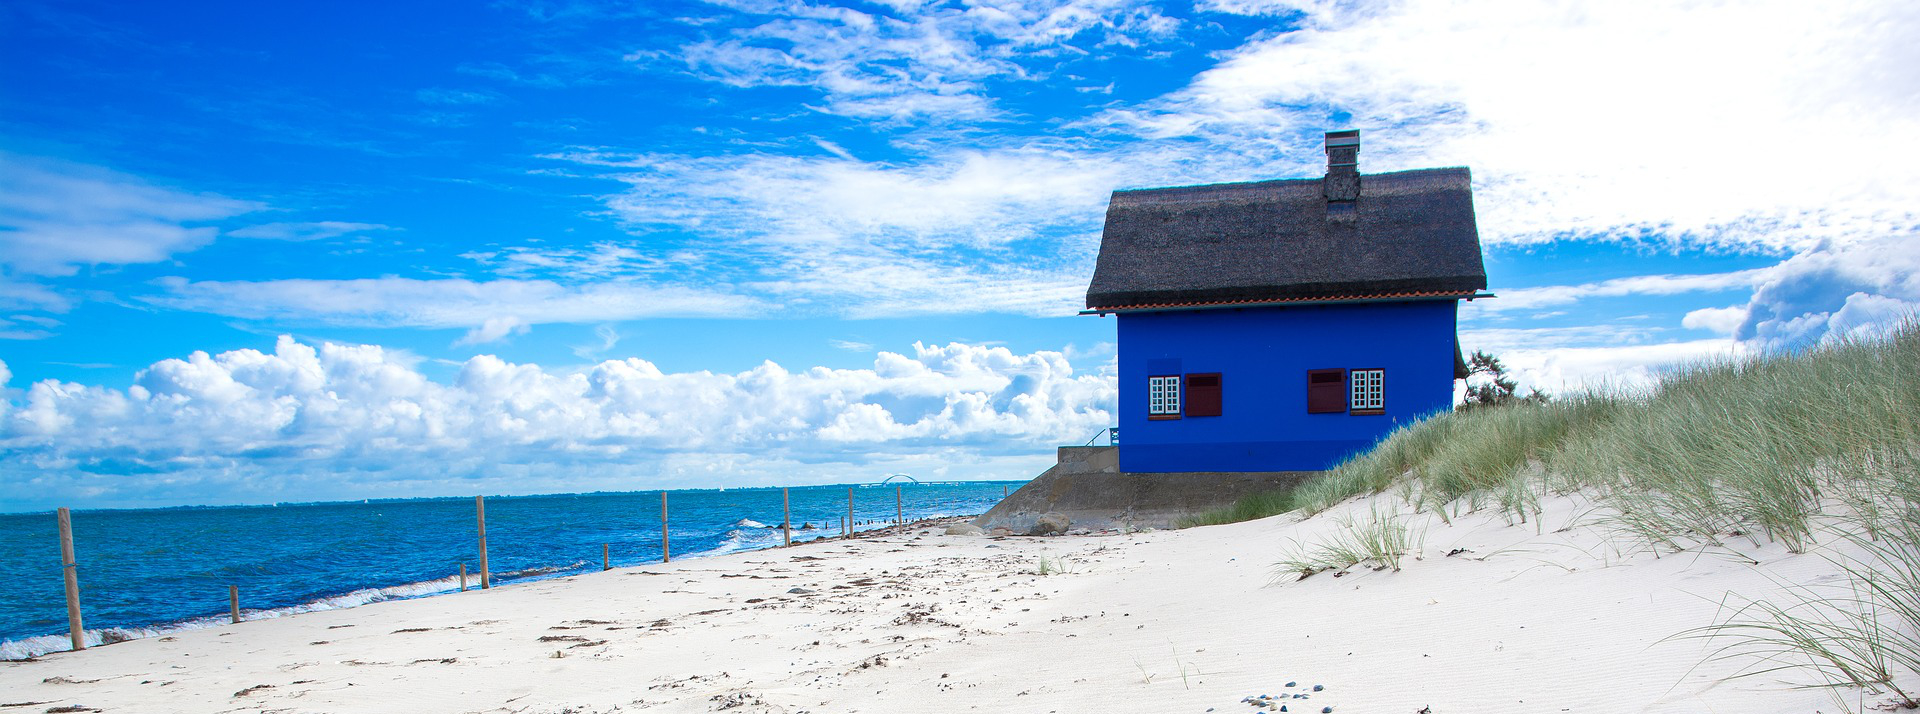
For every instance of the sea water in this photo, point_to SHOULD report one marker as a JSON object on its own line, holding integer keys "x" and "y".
{"x": 148, "y": 571}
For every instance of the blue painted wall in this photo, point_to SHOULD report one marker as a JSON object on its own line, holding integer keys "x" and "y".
{"x": 1263, "y": 355}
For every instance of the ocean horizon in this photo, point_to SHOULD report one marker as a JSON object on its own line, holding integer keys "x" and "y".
{"x": 147, "y": 571}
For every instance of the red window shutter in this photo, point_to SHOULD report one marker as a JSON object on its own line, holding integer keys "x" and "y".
{"x": 1326, "y": 391}
{"x": 1203, "y": 395}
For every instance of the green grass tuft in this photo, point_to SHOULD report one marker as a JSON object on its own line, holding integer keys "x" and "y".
{"x": 1381, "y": 540}
{"x": 1258, "y": 505}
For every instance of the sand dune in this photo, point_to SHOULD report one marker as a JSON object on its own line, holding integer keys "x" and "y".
{"x": 1493, "y": 617}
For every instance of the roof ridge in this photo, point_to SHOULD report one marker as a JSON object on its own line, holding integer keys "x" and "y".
{"x": 1282, "y": 182}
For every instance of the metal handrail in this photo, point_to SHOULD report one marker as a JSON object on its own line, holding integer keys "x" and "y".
{"x": 1112, "y": 433}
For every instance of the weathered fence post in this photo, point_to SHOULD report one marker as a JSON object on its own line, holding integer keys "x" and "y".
{"x": 233, "y": 602}
{"x": 1003, "y": 490}
{"x": 463, "y": 577}
{"x": 899, "y": 508}
{"x": 606, "y": 561}
{"x": 480, "y": 509}
{"x": 849, "y": 513}
{"x": 786, "y": 517}
{"x": 72, "y": 572}
{"x": 666, "y": 544}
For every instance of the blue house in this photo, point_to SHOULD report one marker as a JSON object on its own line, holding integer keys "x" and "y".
{"x": 1285, "y": 325}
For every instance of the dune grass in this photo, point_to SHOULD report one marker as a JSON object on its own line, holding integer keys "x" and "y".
{"x": 1754, "y": 446}
{"x": 1784, "y": 448}
{"x": 1861, "y": 633}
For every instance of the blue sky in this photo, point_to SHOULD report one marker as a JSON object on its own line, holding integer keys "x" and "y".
{"x": 265, "y": 253}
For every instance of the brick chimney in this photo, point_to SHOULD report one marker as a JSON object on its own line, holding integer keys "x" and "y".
{"x": 1342, "y": 184}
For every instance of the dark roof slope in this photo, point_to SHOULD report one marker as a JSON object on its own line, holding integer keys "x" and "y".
{"x": 1409, "y": 232}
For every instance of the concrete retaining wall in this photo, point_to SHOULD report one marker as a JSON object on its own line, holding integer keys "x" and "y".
{"x": 1087, "y": 486}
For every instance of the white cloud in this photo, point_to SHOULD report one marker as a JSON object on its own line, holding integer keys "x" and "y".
{"x": 493, "y": 329}
{"x": 600, "y": 261}
{"x": 608, "y": 338}
{"x": 368, "y": 415}
{"x": 1722, "y": 320}
{"x": 316, "y": 230}
{"x": 491, "y": 309}
{"x": 911, "y": 61}
{"x": 57, "y": 217}
{"x": 1567, "y": 370}
{"x": 441, "y": 95}
{"x": 1639, "y": 285}
{"x": 1014, "y": 230}
{"x": 1772, "y": 123}
{"x": 1838, "y": 289}
{"x": 17, "y": 295}
{"x": 11, "y": 329}
{"x": 1855, "y": 289}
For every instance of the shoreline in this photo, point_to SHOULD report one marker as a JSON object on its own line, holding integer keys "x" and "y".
{"x": 36, "y": 646}
{"x": 916, "y": 620}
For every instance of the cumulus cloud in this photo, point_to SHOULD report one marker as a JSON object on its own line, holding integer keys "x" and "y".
{"x": 57, "y": 217}
{"x": 1723, "y": 320}
{"x": 1839, "y": 289}
{"x": 368, "y": 413}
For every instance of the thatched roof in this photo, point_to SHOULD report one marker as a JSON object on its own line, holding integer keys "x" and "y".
{"x": 1409, "y": 235}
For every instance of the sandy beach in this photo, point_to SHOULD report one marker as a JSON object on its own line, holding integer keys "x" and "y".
{"x": 1549, "y": 616}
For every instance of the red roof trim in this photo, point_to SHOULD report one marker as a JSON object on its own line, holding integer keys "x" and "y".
{"x": 1420, "y": 294}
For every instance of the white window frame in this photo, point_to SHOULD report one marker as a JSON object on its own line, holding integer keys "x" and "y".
{"x": 1367, "y": 390}
{"x": 1163, "y": 396}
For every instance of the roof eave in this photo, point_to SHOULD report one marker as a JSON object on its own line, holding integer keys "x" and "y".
{"x": 1234, "y": 305}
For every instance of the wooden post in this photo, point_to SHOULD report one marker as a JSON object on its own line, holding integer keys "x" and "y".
{"x": 849, "y": 513}
{"x": 606, "y": 562}
{"x": 666, "y": 544}
{"x": 899, "y": 508}
{"x": 480, "y": 508}
{"x": 786, "y": 518}
{"x": 233, "y": 602}
{"x": 72, "y": 570}
{"x": 463, "y": 577}
{"x": 1003, "y": 490}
